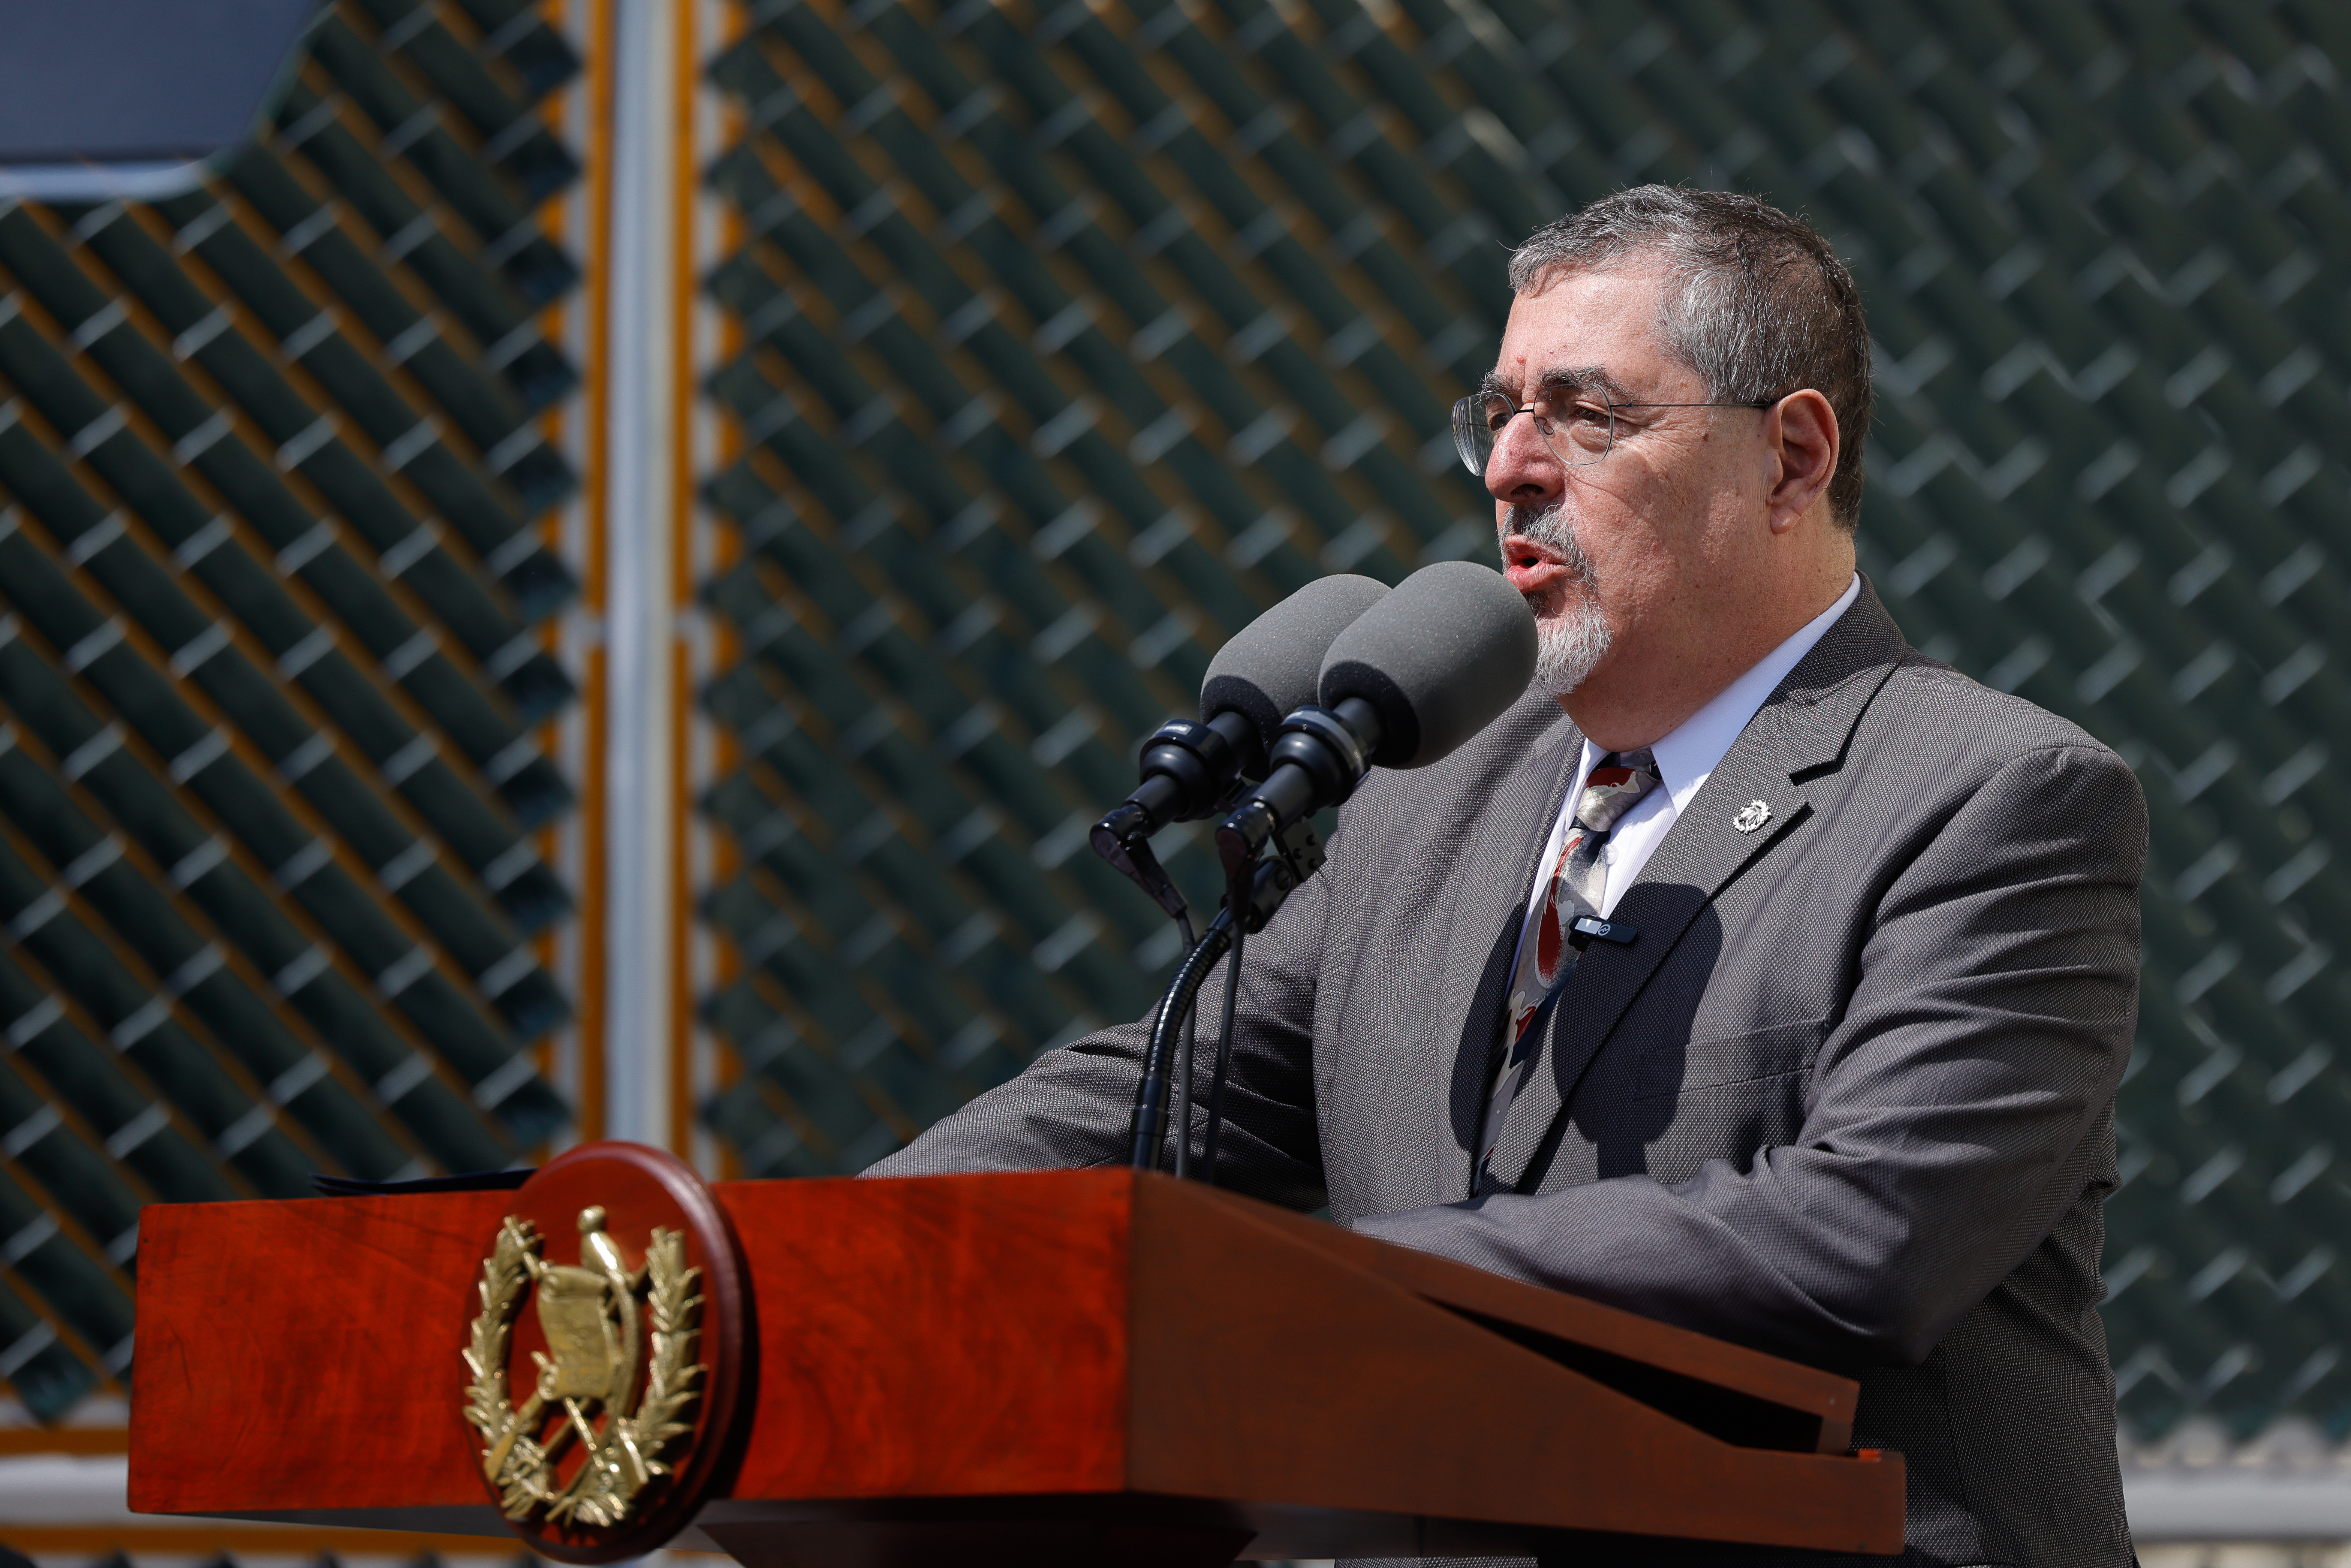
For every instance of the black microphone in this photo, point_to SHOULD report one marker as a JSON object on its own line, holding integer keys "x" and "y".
{"x": 1272, "y": 665}
{"x": 1414, "y": 676}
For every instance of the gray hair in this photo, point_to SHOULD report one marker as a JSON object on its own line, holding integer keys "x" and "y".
{"x": 1757, "y": 303}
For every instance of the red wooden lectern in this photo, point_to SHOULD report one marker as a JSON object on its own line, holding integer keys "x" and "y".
{"x": 1076, "y": 1367}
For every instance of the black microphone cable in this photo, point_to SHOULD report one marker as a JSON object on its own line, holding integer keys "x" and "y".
{"x": 1183, "y": 1083}
{"x": 1223, "y": 1040}
{"x": 1224, "y": 1065}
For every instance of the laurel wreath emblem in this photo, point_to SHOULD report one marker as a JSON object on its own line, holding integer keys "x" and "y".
{"x": 628, "y": 1452}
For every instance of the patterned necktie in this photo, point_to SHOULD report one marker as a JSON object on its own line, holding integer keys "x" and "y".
{"x": 1578, "y": 881}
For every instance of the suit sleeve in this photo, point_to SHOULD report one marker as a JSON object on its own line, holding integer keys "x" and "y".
{"x": 1074, "y": 1106}
{"x": 1992, "y": 1013}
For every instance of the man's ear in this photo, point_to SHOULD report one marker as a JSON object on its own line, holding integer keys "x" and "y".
{"x": 1801, "y": 429}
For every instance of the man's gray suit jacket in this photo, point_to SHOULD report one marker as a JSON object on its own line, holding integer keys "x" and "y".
{"x": 1848, "y": 1097}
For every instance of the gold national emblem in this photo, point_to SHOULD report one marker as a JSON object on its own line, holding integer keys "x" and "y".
{"x": 616, "y": 1378}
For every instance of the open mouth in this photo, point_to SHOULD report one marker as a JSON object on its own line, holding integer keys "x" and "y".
{"x": 1534, "y": 569}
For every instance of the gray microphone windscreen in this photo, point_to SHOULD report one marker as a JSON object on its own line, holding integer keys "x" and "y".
{"x": 1440, "y": 658}
{"x": 1275, "y": 663}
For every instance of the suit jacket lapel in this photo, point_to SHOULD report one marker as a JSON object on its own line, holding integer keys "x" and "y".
{"x": 1496, "y": 875}
{"x": 1800, "y": 732}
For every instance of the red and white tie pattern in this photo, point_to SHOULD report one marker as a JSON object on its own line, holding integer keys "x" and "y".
{"x": 1579, "y": 880}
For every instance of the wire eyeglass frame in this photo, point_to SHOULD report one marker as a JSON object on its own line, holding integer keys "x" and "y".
{"x": 1475, "y": 438}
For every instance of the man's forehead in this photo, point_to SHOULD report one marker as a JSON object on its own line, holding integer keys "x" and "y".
{"x": 1583, "y": 330}
{"x": 1579, "y": 322}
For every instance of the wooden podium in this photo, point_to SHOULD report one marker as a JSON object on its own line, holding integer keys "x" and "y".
{"x": 1085, "y": 1367}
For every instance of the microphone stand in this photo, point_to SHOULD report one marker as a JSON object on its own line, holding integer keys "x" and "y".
{"x": 1323, "y": 757}
{"x": 1128, "y": 851}
{"x": 1299, "y": 848}
{"x": 1149, "y": 1125}
{"x": 1269, "y": 883}
{"x": 1123, "y": 839}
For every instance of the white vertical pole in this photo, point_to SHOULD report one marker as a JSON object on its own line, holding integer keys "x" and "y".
{"x": 641, "y": 643}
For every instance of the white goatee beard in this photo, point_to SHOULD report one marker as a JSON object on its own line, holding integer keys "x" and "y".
{"x": 1571, "y": 644}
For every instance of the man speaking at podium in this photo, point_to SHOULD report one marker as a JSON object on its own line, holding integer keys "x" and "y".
{"x": 1846, "y": 1093}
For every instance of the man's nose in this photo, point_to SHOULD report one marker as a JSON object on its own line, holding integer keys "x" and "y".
{"x": 1522, "y": 470}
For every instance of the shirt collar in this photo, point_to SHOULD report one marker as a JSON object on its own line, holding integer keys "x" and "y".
{"x": 1687, "y": 755}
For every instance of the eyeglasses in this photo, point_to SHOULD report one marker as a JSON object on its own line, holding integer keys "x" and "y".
{"x": 1579, "y": 431}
